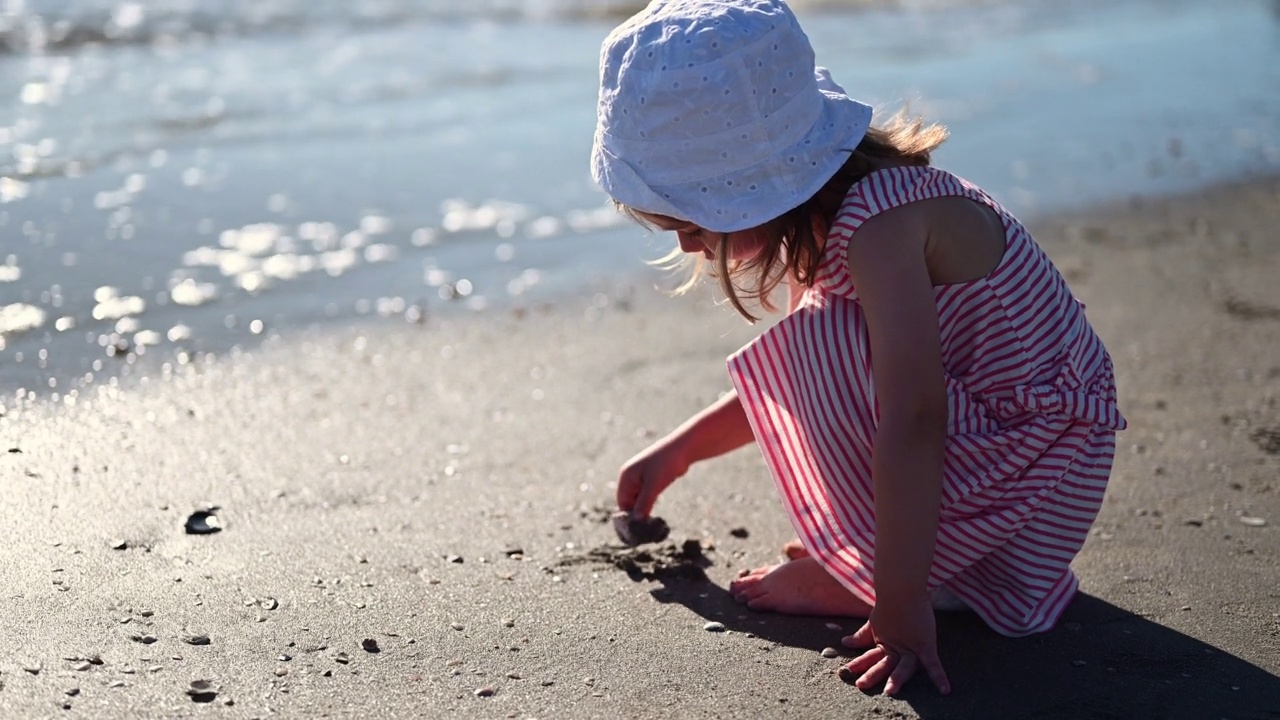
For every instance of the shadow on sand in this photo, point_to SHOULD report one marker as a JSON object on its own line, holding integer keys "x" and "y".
{"x": 1099, "y": 662}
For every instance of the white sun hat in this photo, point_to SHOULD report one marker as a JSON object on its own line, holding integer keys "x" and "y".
{"x": 713, "y": 112}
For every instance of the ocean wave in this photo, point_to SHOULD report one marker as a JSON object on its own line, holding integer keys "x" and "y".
{"x": 64, "y": 26}
{"x": 68, "y": 26}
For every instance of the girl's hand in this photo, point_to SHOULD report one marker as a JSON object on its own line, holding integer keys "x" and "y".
{"x": 644, "y": 477}
{"x": 905, "y": 638}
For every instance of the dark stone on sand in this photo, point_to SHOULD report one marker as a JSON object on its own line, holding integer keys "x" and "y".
{"x": 740, "y": 532}
{"x": 487, "y": 691}
{"x": 196, "y": 639}
{"x": 118, "y": 544}
{"x": 202, "y": 691}
{"x": 203, "y": 522}
{"x": 370, "y": 645}
{"x": 639, "y": 531}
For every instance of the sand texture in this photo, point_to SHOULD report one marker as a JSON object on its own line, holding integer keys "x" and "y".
{"x": 443, "y": 490}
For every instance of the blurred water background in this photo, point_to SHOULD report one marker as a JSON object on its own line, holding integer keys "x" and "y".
{"x": 181, "y": 178}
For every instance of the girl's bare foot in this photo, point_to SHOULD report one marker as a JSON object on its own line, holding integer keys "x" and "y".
{"x": 797, "y": 587}
{"x": 794, "y": 550}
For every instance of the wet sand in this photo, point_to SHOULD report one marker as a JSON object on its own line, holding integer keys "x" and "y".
{"x": 444, "y": 490}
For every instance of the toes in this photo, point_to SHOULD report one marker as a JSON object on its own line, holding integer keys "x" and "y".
{"x": 741, "y": 584}
{"x": 748, "y": 578}
{"x": 794, "y": 550}
{"x": 750, "y": 587}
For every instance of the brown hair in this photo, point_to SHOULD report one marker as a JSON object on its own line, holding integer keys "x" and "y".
{"x": 792, "y": 247}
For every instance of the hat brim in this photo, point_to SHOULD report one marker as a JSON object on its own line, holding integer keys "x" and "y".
{"x": 762, "y": 192}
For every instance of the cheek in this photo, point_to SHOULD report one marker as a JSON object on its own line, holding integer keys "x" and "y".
{"x": 689, "y": 243}
{"x": 745, "y": 245}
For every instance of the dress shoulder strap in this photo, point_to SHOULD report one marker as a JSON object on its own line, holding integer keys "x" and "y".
{"x": 883, "y": 190}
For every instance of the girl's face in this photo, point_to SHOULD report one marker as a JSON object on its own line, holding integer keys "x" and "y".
{"x": 742, "y": 244}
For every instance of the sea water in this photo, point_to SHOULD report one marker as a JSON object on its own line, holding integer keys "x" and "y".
{"x": 189, "y": 176}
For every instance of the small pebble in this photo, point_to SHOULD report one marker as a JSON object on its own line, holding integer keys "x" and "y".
{"x": 833, "y": 626}
{"x": 33, "y": 668}
{"x": 713, "y": 627}
{"x": 281, "y": 672}
{"x": 116, "y": 684}
{"x": 830, "y": 652}
{"x": 146, "y": 639}
{"x": 147, "y": 613}
{"x": 514, "y": 676}
{"x": 486, "y": 691}
{"x": 82, "y": 666}
{"x": 72, "y": 692}
{"x": 196, "y": 639}
{"x": 202, "y": 691}
{"x": 457, "y": 560}
{"x": 270, "y": 603}
{"x": 118, "y": 544}
{"x": 341, "y": 658}
{"x": 370, "y": 645}
{"x": 284, "y": 657}
{"x": 457, "y": 626}
{"x": 547, "y": 683}
{"x": 1253, "y": 521}
{"x": 508, "y": 622}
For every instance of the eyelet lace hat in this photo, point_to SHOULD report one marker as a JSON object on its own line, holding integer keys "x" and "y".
{"x": 713, "y": 112}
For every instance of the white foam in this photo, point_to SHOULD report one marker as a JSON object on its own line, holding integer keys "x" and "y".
{"x": 19, "y": 317}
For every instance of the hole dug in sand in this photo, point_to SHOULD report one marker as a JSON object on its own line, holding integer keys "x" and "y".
{"x": 686, "y": 560}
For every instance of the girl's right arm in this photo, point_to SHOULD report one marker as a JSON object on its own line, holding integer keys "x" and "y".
{"x": 718, "y": 429}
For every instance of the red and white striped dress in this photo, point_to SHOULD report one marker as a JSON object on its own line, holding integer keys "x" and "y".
{"x": 1030, "y": 435}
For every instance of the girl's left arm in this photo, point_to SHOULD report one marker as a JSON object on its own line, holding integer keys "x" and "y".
{"x": 888, "y": 267}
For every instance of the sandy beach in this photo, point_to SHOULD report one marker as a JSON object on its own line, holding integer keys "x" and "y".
{"x": 441, "y": 490}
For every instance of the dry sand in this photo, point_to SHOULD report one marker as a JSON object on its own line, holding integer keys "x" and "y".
{"x": 351, "y": 467}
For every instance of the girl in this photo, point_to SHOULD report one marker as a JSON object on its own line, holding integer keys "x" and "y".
{"x": 937, "y": 414}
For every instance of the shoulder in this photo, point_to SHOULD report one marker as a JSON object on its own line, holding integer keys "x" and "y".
{"x": 921, "y": 218}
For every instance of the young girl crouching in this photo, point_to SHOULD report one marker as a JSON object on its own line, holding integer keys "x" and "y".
{"x": 935, "y": 410}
